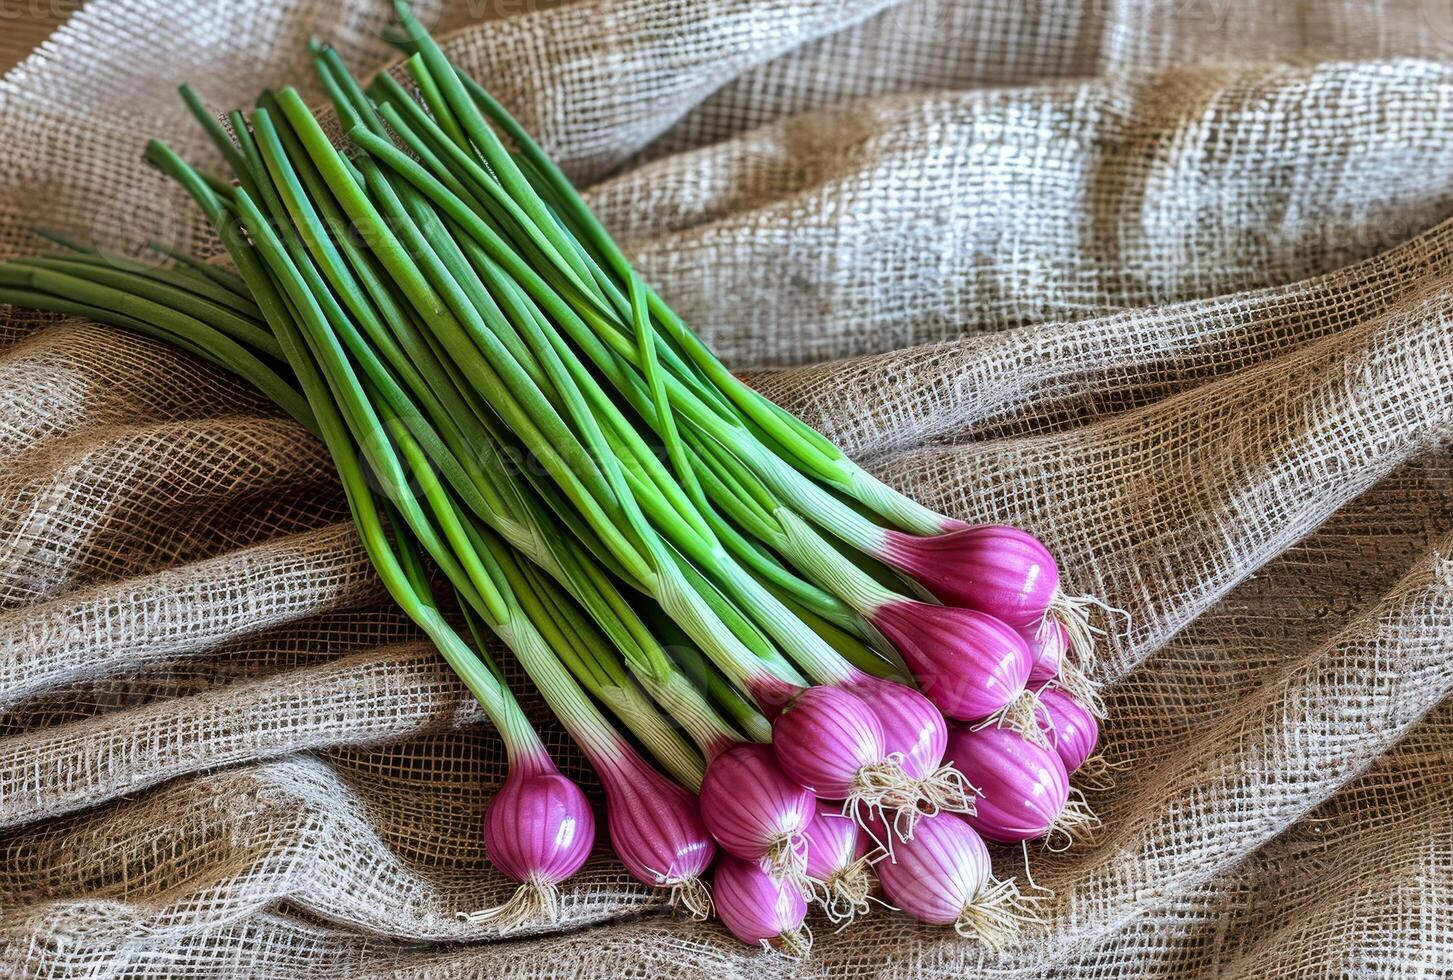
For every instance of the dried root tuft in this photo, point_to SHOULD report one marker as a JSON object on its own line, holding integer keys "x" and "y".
{"x": 996, "y": 914}
{"x": 535, "y": 901}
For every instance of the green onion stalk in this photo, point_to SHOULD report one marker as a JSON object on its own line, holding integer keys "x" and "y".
{"x": 993, "y": 569}
{"x": 801, "y": 445}
{"x": 505, "y": 376}
{"x": 595, "y": 453}
{"x": 388, "y": 428}
{"x": 615, "y": 472}
{"x": 511, "y": 600}
{"x": 534, "y": 620}
{"x": 649, "y": 485}
{"x": 539, "y": 540}
{"x": 393, "y": 555}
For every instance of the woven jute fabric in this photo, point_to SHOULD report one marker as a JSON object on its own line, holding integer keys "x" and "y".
{"x": 1167, "y": 283}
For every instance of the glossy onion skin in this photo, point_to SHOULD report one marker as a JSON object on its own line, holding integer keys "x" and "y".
{"x": 936, "y": 875}
{"x": 752, "y": 906}
{"x": 1072, "y": 731}
{"x": 912, "y": 724}
{"x": 824, "y": 737}
{"x": 994, "y": 568}
{"x": 1024, "y": 786}
{"x": 1048, "y": 647}
{"x": 539, "y": 825}
{"x": 655, "y": 826}
{"x": 834, "y": 842}
{"x": 968, "y": 663}
{"x": 749, "y": 805}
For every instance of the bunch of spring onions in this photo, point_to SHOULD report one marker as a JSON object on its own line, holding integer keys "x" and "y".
{"x": 761, "y": 649}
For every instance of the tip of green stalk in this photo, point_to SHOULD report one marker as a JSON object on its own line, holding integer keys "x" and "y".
{"x": 58, "y": 238}
{"x": 315, "y": 44}
{"x": 406, "y": 16}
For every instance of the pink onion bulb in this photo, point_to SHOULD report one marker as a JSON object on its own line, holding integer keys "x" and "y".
{"x": 755, "y": 812}
{"x": 1024, "y": 788}
{"x": 538, "y": 831}
{"x": 839, "y": 864}
{"x": 968, "y": 663}
{"x": 914, "y": 731}
{"x": 656, "y": 830}
{"x": 912, "y": 726}
{"x": 1048, "y": 647}
{"x": 943, "y": 876}
{"x": 829, "y": 740}
{"x": 1070, "y": 728}
{"x": 759, "y": 910}
{"x": 994, "y": 568}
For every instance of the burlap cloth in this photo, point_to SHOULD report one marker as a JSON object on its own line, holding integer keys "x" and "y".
{"x": 1166, "y": 283}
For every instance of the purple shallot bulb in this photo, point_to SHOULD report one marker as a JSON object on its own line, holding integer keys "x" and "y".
{"x": 994, "y": 568}
{"x": 969, "y": 664}
{"x": 912, "y": 726}
{"x": 755, "y": 812}
{"x": 1025, "y": 790}
{"x": 839, "y": 864}
{"x": 759, "y": 910}
{"x": 1050, "y": 650}
{"x": 538, "y": 831}
{"x": 1048, "y": 647}
{"x": 829, "y": 740}
{"x": 997, "y": 569}
{"x": 914, "y": 731}
{"x": 943, "y": 876}
{"x": 1069, "y": 727}
{"x": 656, "y": 830}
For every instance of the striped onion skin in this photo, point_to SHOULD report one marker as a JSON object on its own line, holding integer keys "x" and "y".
{"x": 968, "y": 663}
{"x": 655, "y": 826}
{"x": 1052, "y": 649}
{"x": 539, "y": 826}
{"x": 538, "y": 831}
{"x": 938, "y": 873}
{"x": 912, "y": 726}
{"x": 1069, "y": 727}
{"x": 994, "y": 568}
{"x": 834, "y": 843}
{"x": 1048, "y": 647}
{"x": 1024, "y": 786}
{"x": 754, "y": 811}
{"x": 824, "y": 738}
{"x": 943, "y": 876}
{"x": 839, "y": 865}
{"x": 759, "y": 910}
